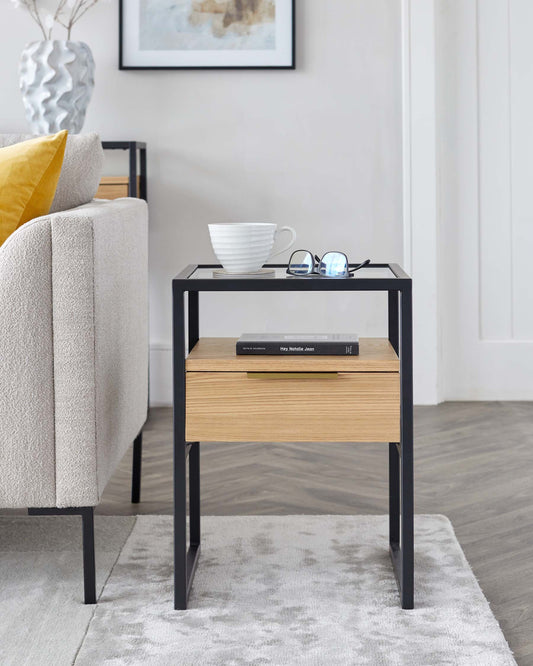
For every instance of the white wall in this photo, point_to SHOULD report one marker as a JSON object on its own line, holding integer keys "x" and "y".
{"x": 318, "y": 148}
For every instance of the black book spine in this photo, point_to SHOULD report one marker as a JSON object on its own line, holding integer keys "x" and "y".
{"x": 298, "y": 349}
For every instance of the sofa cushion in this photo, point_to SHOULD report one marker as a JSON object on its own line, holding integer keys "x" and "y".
{"x": 29, "y": 172}
{"x": 81, "y": 172}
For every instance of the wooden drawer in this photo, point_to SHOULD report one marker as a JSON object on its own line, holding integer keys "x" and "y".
{"x": 114, "y": 187}
{"x": 293, "y": 406}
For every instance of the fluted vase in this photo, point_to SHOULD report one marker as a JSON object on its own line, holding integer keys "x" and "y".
{"x": 57, "y": 81}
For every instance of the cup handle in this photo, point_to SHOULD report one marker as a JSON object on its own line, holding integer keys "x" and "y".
{"x": 289, "y": 245}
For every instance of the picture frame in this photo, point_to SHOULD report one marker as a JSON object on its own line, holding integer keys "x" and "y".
{"x": 144, "y": 24}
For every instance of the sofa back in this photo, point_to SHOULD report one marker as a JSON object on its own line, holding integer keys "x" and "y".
{"x": 81, "y": 171}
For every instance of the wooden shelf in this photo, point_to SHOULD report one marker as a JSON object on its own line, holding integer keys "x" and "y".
{"x": 218, "y": 355}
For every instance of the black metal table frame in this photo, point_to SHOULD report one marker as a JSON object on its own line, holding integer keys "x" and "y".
{"x": 401, "y": 487}
{"x": 132, "y": 147}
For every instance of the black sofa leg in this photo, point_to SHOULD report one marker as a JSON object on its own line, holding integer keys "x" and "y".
{"x": 136, "y": 469}
{"x": 89, "y": 565}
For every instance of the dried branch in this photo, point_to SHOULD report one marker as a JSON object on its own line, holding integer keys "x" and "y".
{"x": 31, "y": 6}
{"x": 83, "y": 9}
{"x": 65, "y": 17}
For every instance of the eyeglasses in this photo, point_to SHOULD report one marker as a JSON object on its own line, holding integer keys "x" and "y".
{"x": 332, "y": 265}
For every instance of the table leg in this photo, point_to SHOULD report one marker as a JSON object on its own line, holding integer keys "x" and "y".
{"x": 193, "y": 554}
{"x": 180, "y": 453}
{"x": 143, "y": 187}
{"x": 194, "y": 452}
{"x": 401, "y": 492}
{"x": 394, "y": 496}
{"x": 185, "y": 560}
{"x": 406, "y": 452}
{"x": 194, "y": 494}
{"x": 132, "y": 180}
{"x": 394, "y": 456}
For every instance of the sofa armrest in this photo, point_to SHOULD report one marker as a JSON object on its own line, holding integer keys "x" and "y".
{"x": 90, "y": 326}
{"x": 100, "y": 328}
{"x": 27, "y": 447}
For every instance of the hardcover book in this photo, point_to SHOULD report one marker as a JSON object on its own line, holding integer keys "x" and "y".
{"x": 279, "y": 344}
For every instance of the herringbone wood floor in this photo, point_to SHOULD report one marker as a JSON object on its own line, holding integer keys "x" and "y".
{"x": 474, "y": 463}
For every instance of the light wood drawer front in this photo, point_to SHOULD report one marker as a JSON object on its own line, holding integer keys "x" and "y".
{"x": 343, "y": 407}
{"x": 114, "y": 187}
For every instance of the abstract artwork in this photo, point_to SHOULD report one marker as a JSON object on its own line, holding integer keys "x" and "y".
{"x": 175, "y": 34}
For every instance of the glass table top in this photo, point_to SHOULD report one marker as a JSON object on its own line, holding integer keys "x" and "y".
{"x": 374, "y": 272}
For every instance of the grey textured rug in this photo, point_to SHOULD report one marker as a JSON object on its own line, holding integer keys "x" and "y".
{"x": 42, "y": 617}
{"x": 313, "y": 590}
{"x": 293, "y": 590}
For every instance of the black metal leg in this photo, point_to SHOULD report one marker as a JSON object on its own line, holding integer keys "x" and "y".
{"x": 394, "y": 457}
{"x": 89, "y": 566}
{"x": 136, "y": 469}
{"x": 401, "y": 483}
{"x": 194, "y": 319}
{"x": 132, "y": 182}
{"x": 394, "y": 321}
{"x": 143, "y": 188}
{"x": 394, "y": 496}
{"x": 194, "y": 493}
{"x": 180, "y": 454}
{"x": 194, "y": 456}
{"x": 193, "y": 554}
{"x": 180, "y": 528}
{"x": 406, "y": 452}
{"x": 185, "y": 561}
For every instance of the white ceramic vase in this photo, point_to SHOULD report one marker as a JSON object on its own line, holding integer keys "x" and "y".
{"x": 57, "y": 81}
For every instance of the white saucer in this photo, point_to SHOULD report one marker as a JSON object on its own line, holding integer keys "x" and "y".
{"x": 261, "y": 273}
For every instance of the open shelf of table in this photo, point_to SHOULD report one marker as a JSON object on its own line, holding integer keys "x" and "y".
{"x": 218, "y": 355}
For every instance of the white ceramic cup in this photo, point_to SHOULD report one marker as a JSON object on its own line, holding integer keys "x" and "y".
{"x": 243, "y": 247}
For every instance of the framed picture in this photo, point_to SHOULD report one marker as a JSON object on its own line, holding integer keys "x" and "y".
{"x": 206, "y": 34}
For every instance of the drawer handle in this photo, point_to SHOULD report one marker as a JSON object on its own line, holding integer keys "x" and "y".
{"x": 292, "y": 375}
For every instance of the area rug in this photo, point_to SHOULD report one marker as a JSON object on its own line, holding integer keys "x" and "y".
{"x": 42, "y": 617}
{"x": 280, "y": 590}
{"x": 293, "y": 590}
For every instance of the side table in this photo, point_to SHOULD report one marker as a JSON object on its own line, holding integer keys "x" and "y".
{"x": 365, "y": 398}
{"x": 132, "y": 147}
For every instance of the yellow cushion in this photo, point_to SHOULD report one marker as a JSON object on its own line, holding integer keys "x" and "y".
{"x": 29, "y": 172}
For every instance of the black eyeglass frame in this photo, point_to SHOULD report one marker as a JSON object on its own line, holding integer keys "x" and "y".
{"x": 317, "y": 261}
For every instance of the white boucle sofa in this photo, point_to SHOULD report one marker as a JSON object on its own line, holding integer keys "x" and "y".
{"x": 73, "y": 354}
